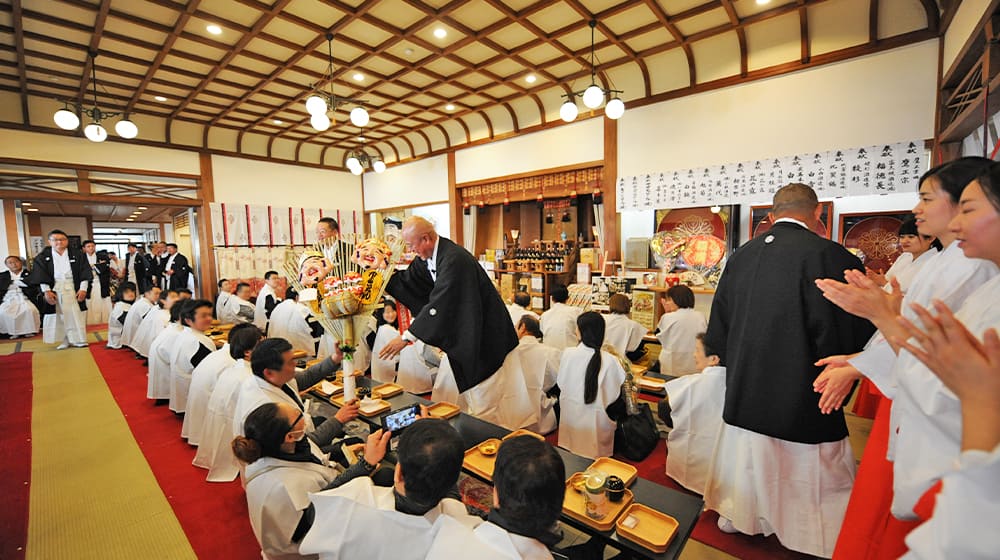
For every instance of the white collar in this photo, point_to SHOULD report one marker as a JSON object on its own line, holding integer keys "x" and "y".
{"x": 791, "y": 220}
{"x": 434, "y": 255}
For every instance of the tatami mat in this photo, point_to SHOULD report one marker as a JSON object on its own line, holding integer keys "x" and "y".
{"x": 92, "y": 492}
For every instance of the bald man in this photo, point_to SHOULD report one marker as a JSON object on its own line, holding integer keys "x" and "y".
{"x": 454, "y": 304}
{"x": 777, "y": 453}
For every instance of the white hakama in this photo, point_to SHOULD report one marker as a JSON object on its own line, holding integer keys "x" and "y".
{"x": 203, "y": 380}
{"x": 540, "y": 367}
{"x": 290, "y": 321}
{"x": 191, "y": 348}
{"x": 418, "y": 365}
{"x": 18, "y": 316}
{"x": 503, "y": 398}
{"x": 622, "y": 333}
{"x": 763, "y": 485}
{"x": 359, "y": 520}
{"x": 215, "y": 451}
{"x": 558, "y": 326}
{"x": 161, "y": 353}
{"x": 70, "y": 322}
{"x": 586, "y": 429}
{"x": 152, "y": 325}
{"x": 384, "y": 371}
{"x": 115, "y": 323}
{"x": 136, "y": 314}
{"x": 696, "y": 403}
{"x": 98, "y": 308}
{"x": 677, "y": 336}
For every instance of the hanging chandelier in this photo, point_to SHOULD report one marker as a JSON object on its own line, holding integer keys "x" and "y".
{"x": 68, "y": 118}
{"x": 358, "y": 160}
{"x": 594, "y": 95}
{"x": 320, "y": 101}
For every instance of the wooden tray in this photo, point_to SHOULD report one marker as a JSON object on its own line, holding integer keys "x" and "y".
{"x": 443, "y": 410}
{"x": 338, "y": 400}
{"x": 654, "y": 529}
{"x": 388, "y": 389}
{"x": 337, "y": 388}
{"x": 384, "y": 407}
{"x": 480, "y": 464}
{"x": 299, "y": 354}
{"x": 575, "y": 506}
{"x": 522, "y": 432}
{"x": 649, "y": 383}
{"x": 610, "y": 466}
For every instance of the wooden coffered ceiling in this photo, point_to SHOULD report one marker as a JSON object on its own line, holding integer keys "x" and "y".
{"x": 243, "y": 91}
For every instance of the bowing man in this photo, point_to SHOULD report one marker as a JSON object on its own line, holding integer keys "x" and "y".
{"x": 559, "y": 322}
{"x": 275, "y": 380}
{"x": 528, "y": 491}
{"x": 362, "y": 520}
{"x": 137, "y": 313}
{"x": 124, "y": 298}
{"x": 63, "y": 275}
{"x": 448, "y": 292}
{"x": 99, "y": 289}
{"x": 193, "y": 346}
{"x": 267, "y": 300}
{"x": 240, "y": 310}
{"x": 216, "y": 434}
{"x": 161, "y": 353}
{"x": 18, "y": 314}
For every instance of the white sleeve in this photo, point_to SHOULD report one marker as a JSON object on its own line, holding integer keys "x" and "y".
{"x": 83, "y": 285}
{"x": 876, "y": 363}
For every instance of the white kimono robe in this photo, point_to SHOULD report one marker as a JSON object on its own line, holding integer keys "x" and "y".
{"x": 289, "y": 320}
{"x": 485, "y": 542}
{"x": 677, "y": 338}
{"x": 203, "y": 380}
{"x": 239, "y": 310}
{"x": 152, "y": 325}
{"x": 161, "y": 353}
{"x": 136, "y": 314}
{"x": 214, "y": 448}
{"x": 965, "y": 515}
{"x": 415, "y": 374}
{"x": 905, "y": 269}
{"x": 260, "y": 310}
{"x": 540, "y": 366}
{"x": 222, "y": 311}
{"x": 98, "y": 308}
{"x": 18, "y": 316}
{"x": 559, "y": 326}
{"x": 622, "y": 333}
{"x": 696, "y": 403}
{"x": 504, "y": 398}
{"x": 189, "y": 345}
{"x": 116, "y": 322}
{"x": 277, "y": 493}
{"x": 516, "y": 312}
{"x": 384, "y": 371}
{"x": 586, "y": 429}
{"x": 359, "y": 520}
{"x": 255, "y": 391}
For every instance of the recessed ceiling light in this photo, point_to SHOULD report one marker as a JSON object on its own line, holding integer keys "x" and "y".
{"x": 214, "y": 29}
{"x": 449, "y": 107}
{"x": 25, "y": 204}
{"x": 440, "y": 33}
{"x": 530, "y": 78}
{"x": 142, "y": 208}
{"x": 32, "y": 209}
{"x": 129, "y": 219}
{"x": 359, "y": 77}
{"x": 763, "y": 2}
{"x": 361, "y": 138}
{"x": 54, "y": 79}
{"x": 279, "y": 121}
{"x": 160, "y": 98}
{"x": 408, "y": 51}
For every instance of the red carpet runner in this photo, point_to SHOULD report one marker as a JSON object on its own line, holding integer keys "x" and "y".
{"x": 15, "y": 448}
{"x": 213, "y": 515}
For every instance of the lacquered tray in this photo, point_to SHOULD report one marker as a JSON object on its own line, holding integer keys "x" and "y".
{"x": 575, "y": 506}
{"x": 522, "y": 432}
{"x": 443, "y": 410}
{"x": 610, "y": 466}
{"x": 388, "y": 389}
{"x": 368, "y": 413}
{"x": 481, "y": 464}
{"x": 337, "y": 388}
{"x": 654, "y": 529}
{"x": 649, "y": 383}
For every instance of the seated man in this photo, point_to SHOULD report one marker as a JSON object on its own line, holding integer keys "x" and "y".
{"x": 362, "y": 520}
{"x": 519, "y": 308}
{"x": 137, "y": 313}
{"x": 528, "y": 488}
{"x": 222, "y": 300}
{"x": 294, "y": 322}
{"x": 239, "y": 308}
{"x": 205, "y": 376}
{"x": 693, "y": 408}
{"x": 418, "y": 366}
{"x": 620, "y": 331}
{"x": 540, "y": 366}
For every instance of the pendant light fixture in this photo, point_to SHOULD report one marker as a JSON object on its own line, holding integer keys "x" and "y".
{"x": 68, "y": 118}
{"x": 358, "y": 160}
{"x": 323, "y": 101}
{"x": 594, "y": 96}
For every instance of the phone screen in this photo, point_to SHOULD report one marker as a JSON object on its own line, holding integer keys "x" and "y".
{"x": 395, "y": 422}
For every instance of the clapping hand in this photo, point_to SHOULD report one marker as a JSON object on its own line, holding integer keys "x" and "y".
{"x": 834, "y": 382}
{"x": 858, "y": 296}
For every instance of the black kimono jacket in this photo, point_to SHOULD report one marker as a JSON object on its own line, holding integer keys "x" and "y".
{"x": 770, "y": 324}
{"x": 179, "y": 279}
{"x": 42, "y": 273}
{"x": 7, "y": 278}
{"x": 103, "y": 266}
{"x": 461, "y": 312}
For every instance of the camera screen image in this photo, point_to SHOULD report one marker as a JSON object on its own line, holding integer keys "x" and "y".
{"x": 399, "y": 420}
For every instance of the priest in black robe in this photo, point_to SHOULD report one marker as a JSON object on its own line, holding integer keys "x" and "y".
{"x": 454, "y": 304}
{"x": 63, "y": 274}
{"x": 769, "y": 324}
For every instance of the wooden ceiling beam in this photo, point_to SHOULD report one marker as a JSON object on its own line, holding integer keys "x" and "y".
{"x": 610, "y": 36}
{"x": 161, "y": 55}
{"x": 933, "y": 14}
{"x": 17, "y": 14}
{"x": 741, "y": 35}
{"x": 95, "y": 41}
{"x": 806, "y": 47}
{"x": 667, "y": 23}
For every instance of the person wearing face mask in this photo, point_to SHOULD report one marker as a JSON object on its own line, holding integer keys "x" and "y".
{"x": 283, "y": 467}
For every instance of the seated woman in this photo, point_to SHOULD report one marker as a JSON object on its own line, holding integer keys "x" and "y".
{"x": 621, "y": 332}
{"x": 123, "y": 300}
{"x": 384, "y": 371}
{"x": 590, "y": 383}
{"x": 282, "y": 468}
{"x": 18, "y": 316}
{"x": 676, "y": 331}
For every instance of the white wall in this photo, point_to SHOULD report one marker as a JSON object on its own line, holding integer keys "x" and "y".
{"x": 70, "y": 225}
{"x": 564, "y": 145}
{"x": 246, "y": 181}
{"x": 963, "y": 25}
{"x": 420, "y": 182}
{"x": 881, "y": 98}
{"x": 67, "y": 149}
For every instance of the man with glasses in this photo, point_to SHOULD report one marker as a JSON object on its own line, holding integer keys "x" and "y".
{"x": 63, "y": 275}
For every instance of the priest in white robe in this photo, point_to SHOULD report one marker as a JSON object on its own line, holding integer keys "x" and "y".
{"x": 239, "y": 308}
{"x": 294, "y": 322}
{"x": 215, "y": 451}
{"x": 540, "y": 366}
{"x": 18, "y": 315}
{"x": 676, "y": 330}
{"x": 520, "y": 307}
{"x": 192, "y": 346}
{"x": 137, "y": 313}
{"x": 267, "y": 300}
{"x": 153, "y": 323}
{"x": 559, "y": 322}
{"x": 222, "y": 301}
{"x": 621, "y": 332}
{"x": 161, "y": 354}
{"x": 361, "y": 520}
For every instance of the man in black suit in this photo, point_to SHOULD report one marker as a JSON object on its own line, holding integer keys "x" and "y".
{"x": 455, "y": 306}
{"x": 136, "y": 269}
{"x": 99, "y": 290}
{"x": 175, "y": 269}
{"x": 63, "y": 275}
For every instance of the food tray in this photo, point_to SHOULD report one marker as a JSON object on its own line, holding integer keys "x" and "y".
{"x": 443, "y": 410}
{"x": 575, "y": 506}
{"x": 337, "y": 388}
{"x": 388, "y": 389}
{"x": 650, "y": 383}
{"x": 477, "y": 463}
{"x": 610, "y": 466}
{"x": 299, "y": 354}
{"x": 522, "y": 432}
{"x": 385, "y": 406}
{"x": 338, "y": 400}
{"x": 654, "y": 529}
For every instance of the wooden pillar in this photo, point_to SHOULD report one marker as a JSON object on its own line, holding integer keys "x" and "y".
{"x": 611, "y": 236}
{"x": 206, "y": 271}
{"x": 454, "y": 204}
{"x": 10, "y": 227}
